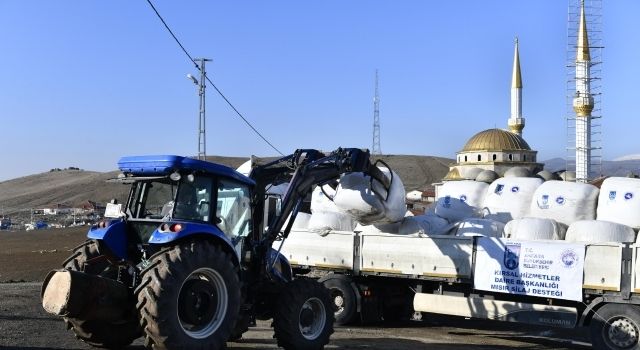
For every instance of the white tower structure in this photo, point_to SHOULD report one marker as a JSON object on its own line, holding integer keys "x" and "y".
{"x": 516, "y": 121}
{"x": 583, "y": 102}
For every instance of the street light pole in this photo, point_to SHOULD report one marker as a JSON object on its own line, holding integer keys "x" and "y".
{"x": 202, "y": 84}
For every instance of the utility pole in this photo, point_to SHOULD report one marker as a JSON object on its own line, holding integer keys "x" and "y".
{"x": 202, "y": 84}
{"x": 376, "y": 120}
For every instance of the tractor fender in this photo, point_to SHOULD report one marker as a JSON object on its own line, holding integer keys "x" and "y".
{"x": 113, "y": 235}
{"x": 191, "y": 230}
{"x": 279, "y": 266}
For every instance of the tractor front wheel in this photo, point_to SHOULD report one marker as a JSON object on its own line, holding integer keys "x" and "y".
{"x": 303, "y": 317}
{"x": 189, "y": 297}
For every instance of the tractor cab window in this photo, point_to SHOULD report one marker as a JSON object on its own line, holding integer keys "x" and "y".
{"x": 148, "y": 199}
{"x": 233, "y": 208}
{"x": 193, "y": 201}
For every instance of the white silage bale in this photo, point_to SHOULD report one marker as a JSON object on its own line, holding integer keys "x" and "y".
{"x": 619, "y": 201}
{"x": 509, "y": 198}
{"x": 479, "y": 227}
{"x": 378, "y": 228}
{"x": 598, "y": 231}
{"x": 324, "y": 222}
{"x": 565, "y": 202}
{"x": 424, "y": 225}
{"x": 356, "y": 197}
{"x": 535, "y": 229}
{"x": 458, "y": 200}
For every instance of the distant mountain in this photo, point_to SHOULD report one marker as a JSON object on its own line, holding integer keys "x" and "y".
{"x": 628, "y": 157}
{"x": 73, "y": 187}
{"x": 609, "y": 167}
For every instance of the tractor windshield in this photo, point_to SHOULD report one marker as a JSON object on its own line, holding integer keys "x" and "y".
{"x": 151, "y": 199}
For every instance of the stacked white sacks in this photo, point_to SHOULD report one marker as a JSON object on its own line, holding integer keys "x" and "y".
{"x": 597, "y": 231}
{"x": 565, "y": 202}
{"x": 479, "y": 227}
{"x": 459, "y": 200}
{"x": 367, "y": 201}
{"x": 426, "y": 225}
{"x": 509, "y": 198}
{"x": 325, "y": 215}
{"x": 619, "y": 201}
{"x": 534, "y": 229}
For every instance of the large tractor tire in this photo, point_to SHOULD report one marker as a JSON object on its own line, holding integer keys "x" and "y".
{"x": 303, "y": 317}
{"x": 189, "y": 297}
{"x": 111, "y": 335}
{"x": 616, "y": 327}
{"x": 344, "y": 298}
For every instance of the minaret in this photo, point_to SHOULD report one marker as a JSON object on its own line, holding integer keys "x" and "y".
{"x": 516, "y": 121}
{"x": 583, "y": 102}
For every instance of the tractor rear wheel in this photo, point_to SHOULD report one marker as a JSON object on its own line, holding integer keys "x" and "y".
{"x": 189, "y": 297}
{"x": 111, "y": 335}
{"x": 303, "y": 317}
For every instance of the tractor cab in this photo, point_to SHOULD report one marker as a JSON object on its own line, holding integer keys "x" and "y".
{"x": 172, "y": 197}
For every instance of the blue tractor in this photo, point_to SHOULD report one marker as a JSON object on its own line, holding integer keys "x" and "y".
{"x": 187, "y": 262}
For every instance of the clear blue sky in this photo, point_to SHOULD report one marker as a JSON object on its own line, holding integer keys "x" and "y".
{"x": 85, "y": 82}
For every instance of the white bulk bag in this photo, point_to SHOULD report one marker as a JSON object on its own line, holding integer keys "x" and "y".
{"x": 597, "y": 231}
{"x": 320, "y": 201}
{"x": 619, "y": 201}
{"x": 324, "y": 222}
{"x": 534, "y": 229}
{"x": 564, "y": 202}
{"x": 479, "y": 227}
{"x": 424, "y": 225}
{"x": 300, "y": 224}
{"x": 355, "y": 196}
{"x": 378, "y": 228}
{"x": 458, "y": 200}
{"x": 509, "y": 198}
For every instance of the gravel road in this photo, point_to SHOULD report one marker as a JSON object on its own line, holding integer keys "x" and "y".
{"x": 24, "y": 325}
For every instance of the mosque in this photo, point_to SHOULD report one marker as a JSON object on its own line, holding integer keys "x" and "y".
{"x": 499, "y": 150}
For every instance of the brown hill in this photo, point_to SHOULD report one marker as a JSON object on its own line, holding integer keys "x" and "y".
{"x": 73, "y": 187}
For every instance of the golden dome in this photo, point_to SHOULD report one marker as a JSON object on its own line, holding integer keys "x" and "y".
{"x": 496, "y": 140}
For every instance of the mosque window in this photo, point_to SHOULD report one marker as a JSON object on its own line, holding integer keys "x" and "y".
{"x": 494, "y": 157}
{"x": 524, "y": 157}
{"x": 465, "y": 158}
{"x": 511, "y": 157}
{"x": 479, "y": 157}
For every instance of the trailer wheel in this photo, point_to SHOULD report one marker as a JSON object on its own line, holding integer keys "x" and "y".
{"x": 303, "y": 317}
{"x": 616, "y": 327}
{"x": 344, "y": 299}
{"x": 99, "y": 333}
{"x": 189, "y": 297}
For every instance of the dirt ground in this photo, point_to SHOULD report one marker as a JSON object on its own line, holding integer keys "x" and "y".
{"x": 27, "y": 256}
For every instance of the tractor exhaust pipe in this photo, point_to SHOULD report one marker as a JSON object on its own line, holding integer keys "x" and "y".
{"x": 88, "y": 297}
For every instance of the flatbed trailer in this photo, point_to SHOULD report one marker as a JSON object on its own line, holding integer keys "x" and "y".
{"x": 376, "y": 276}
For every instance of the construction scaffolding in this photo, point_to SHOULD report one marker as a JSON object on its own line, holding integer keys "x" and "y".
{"x": 592, "y": 138}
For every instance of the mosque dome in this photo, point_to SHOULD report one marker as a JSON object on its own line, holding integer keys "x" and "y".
{"x": 496, "y": 140}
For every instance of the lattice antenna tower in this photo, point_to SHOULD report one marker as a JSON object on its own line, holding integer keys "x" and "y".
{"x": 375, "y": 149}
{"x": 593, "y": 15}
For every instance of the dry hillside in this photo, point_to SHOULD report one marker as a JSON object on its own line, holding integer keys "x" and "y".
{"x": 73, "y": 187}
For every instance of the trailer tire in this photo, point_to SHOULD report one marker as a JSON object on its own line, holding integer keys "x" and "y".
{"x": 344, "y": 299}
{"x": 110, "y": 335}
{"x": 303, "y": 316}
{"x": 616, "y": 327}
{"x": 189, "y": 297}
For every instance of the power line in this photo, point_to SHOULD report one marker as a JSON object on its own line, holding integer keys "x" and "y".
{"x": 209, "y": 80}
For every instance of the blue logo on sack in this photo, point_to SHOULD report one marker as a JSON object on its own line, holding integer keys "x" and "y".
{"x": 512, "y": 256}
{"x": 515, "y": 189}
{"x": 628, "y": 195}
{"x": 499, "y": 189}
{"x": 545, "y": 199}
{"x": 463, "y": 198}
{"x": 447, "y": 202}
{"x": 560, "y": 200}
{"x": 612, "y": 195}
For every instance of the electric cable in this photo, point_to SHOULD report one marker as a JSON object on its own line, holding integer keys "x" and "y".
{"x": 211, "y": 82}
